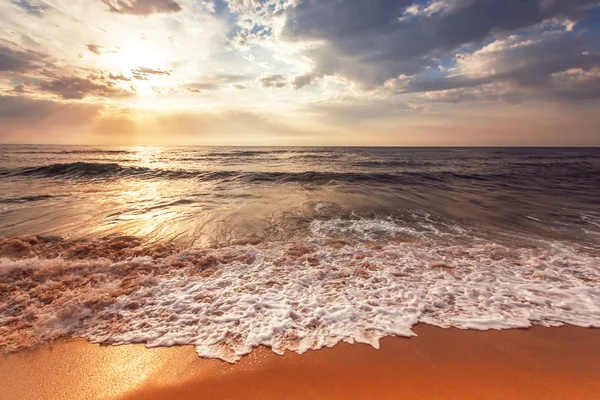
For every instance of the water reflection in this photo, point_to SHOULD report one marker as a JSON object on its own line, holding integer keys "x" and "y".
{"x": 214, "y": 196}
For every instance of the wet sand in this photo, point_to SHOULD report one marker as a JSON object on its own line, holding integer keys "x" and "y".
{"x": 539, "y": 363}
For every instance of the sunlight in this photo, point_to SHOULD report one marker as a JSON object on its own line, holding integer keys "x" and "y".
{"x": 140, "y": 53}
{"x": 145, "y": 87}
{"x": 146, "y": 55}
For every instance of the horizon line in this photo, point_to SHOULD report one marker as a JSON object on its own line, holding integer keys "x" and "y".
{"x": 321, "y": 146}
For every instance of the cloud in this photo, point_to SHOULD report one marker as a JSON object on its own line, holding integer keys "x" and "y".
{"x": 303, "y": 80}
{"x": 151, "y": 71}
{"x": 142, "y": 7}
{"x": 99, "y": 50}
{"x": 528, "y": 66}
{"x": 372, "y": 42}
{"x": 213, "y": 82}
{"x": 74, "y": 88}
{"x": 119, "y": 77}
{"x": 569, "y": 86}
{"x": 352, "y": 112}
{"x": 200, "y": 87}
{"x": 24, "y": 108}
{"x": 26, "y": 119}
{"x": 576, "y": 84}
{"x": 18, "y": 89}
{"x": 94, "y": 48}
{"x": 246, "y": 5}
{"x": 19, "y": 61}
{"x": 260, "y": 11}
{"x": 32, "y": 7}
{"x": 359, "y": 67}
{"x": 142, "y": 73}
{"x": 273, "y": 81}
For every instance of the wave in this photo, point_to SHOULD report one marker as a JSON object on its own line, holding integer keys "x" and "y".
{"x": 306, "y": 154}
{"x": 575, "y": 156}
{"x": 395, "y": 163}
{"x": 83, "y": 152}
{"x": 295, "y": 296}
{"x": 24, "y": 199}
{"x": 541, "y": 177}
{"x": 244, "y": 153}
{"x": 76, "y": 169}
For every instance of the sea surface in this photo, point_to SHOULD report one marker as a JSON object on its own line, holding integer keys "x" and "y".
{"x": 232, "y": 248}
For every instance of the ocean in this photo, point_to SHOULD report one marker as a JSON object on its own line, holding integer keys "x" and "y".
{"x": 231, "y": 248}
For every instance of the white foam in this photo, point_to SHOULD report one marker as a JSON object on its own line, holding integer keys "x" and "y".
{"x": 370, "y": 229}
{"x": 594, "y": 221}
{"x": 362, "y": 229}
{"x": 301, "y": 296}
{"x": 532, "y": 218}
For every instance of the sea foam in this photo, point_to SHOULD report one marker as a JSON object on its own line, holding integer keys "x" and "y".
{"x": 295, "y": 296}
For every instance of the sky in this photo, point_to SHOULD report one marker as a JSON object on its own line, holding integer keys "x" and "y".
{"x": 300, "y": 72}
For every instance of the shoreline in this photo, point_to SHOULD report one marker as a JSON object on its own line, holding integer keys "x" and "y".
{"x": 536, "y": 363}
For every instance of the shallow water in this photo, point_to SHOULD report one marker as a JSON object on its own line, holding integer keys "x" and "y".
{"x": 295, "y": 248}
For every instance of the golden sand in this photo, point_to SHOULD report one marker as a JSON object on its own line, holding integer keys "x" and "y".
{"x": 539, "y": 363}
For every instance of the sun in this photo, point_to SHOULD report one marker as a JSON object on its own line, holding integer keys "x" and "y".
{"x": 139, "y": 53}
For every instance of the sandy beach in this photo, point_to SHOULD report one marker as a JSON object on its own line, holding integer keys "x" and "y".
{"x": 539, "y": 363}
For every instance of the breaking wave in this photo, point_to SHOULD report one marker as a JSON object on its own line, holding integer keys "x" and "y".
{"x": 90, "y": 170}
{"x": 293, "y": 296}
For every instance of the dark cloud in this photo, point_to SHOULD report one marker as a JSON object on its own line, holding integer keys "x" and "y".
{"x": 570, "y": 86}
{"x": 530, "y": 65}
{"x": 303, "y": 80}
{"x": 19, "y": 89}
{"x": 18, "y": 60}
{"x": 576, "y": 85}
{"x": 142, "y": 7}
{"x": 119, "y": 77}
{"x": 94, "y": 48}
{"x": 99, "y": 50}
{"x": 273, "y": 81}
{"x": 144, "y": 71}
{"x": 374, "y": 41}
{"x": 74, "y": 88}
{"x": 32, "y": 7}
{"x": 139, "y": 77}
